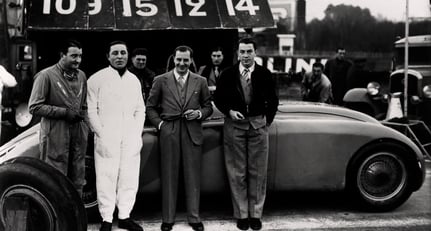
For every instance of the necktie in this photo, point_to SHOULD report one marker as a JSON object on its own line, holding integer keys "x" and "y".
{"x": 246, "y": 75}
{"x": 181, "y": 81}
{"x": 216, "y": 71}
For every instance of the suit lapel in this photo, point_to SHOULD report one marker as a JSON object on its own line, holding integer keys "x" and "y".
{"x": 238, "y": 83}
{"x": 191, "y": 85}
{"x": 172, "y": 86}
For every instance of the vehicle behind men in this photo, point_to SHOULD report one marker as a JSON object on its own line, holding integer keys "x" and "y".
{"x": 419, "y": 76}
{"x": 376, "y": 103}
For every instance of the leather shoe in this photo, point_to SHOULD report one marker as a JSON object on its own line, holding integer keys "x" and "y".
{"x": 106, "y": 226}
{"x": 197, "y": 226}
{"x": 255, "y": 224}
{"x": 242, "y": 224}
{"x": 166, "y": 226}
{"x": 129, "y": 224}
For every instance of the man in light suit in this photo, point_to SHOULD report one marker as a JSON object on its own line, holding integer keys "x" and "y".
{"x": 179, "y": 101}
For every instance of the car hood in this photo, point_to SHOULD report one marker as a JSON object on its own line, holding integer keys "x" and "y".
{"x": 291, "y": 107}
{"x": 8, "y": 150}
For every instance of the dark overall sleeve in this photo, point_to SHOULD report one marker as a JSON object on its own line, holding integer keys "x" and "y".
{"x": 39, "y": 98}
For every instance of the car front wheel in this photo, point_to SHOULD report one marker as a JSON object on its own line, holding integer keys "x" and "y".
{"x": 379, "y": 178}
{"x": 49, "y": 200}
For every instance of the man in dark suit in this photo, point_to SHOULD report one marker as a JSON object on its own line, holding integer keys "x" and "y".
{"x": 212, "y": 70}
{"x": 178, "y": 103}
{"x": 246, "y": 95}
{"x": 336, "y": 70}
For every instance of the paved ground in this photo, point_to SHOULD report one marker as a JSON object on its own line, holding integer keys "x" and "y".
{"x": 298, "y": 211}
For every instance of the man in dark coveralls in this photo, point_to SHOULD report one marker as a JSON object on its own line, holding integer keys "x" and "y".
{"x": 59, "y": 96}
{"x": 246, "y": 95}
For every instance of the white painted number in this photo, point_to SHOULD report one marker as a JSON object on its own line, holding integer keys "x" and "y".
{"x": 242, "y": 5}
{"x": 46, "y": 7}
{"x": 59, "y": 7}
{"x": 197, "y": 4}
{"x": 95, "y": 7}
{"x": 127, "y": 10}
{"x": 151, "y": 8}
{"x": 145, "y": 8}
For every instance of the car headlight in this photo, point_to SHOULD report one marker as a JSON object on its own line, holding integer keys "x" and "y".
{"x": 427, "y": 91}
{"x": 22, "y": 115}
{"x": 373, "y": 88}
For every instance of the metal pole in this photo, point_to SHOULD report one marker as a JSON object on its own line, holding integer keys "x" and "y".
{"x": 406, "y": 61}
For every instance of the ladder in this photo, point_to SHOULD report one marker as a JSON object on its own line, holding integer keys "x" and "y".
{"x": 417, "y": 131}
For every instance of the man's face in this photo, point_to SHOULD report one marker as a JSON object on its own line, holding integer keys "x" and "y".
{"x": 139, "y": 61}
{"x": 72, "y": 58}
{"x": 246, "y": 54}
{"x": 317, "y": 71}
{"x": 182, "y": 61}
{"x": 118, "y": 56}
{"x": 217, "y": 58}
{"x": 341, "y": 53}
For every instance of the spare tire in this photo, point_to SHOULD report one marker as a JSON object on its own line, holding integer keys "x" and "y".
{"x": 53, "y": 202}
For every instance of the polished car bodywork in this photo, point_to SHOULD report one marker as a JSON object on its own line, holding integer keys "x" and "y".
{"x": 312, "y": 147}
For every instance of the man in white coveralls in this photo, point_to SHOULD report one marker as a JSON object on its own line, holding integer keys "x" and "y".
{"x": 116, "y": 111}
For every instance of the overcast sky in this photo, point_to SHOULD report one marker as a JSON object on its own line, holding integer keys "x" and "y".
{"x": 390, "y": 9}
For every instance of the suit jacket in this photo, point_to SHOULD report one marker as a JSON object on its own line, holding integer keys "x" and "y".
{"x": 229, "y": 94}
{"x": 164, "y": 102}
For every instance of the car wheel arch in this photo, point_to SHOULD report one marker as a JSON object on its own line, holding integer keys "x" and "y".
{"x": 384, "y": 145}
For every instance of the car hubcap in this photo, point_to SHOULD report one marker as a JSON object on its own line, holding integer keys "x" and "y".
{"x": 40, "y": 213}
{"x": 381, "y": 176}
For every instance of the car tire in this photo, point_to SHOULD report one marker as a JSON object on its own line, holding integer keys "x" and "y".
{"x": 53, "y": 202}
{"x": 379, "y": 177}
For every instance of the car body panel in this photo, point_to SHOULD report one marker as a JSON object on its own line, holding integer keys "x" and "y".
{"x": 310, "y": 148}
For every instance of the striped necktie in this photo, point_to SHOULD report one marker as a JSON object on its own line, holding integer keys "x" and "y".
{"x": 246, "y": 75}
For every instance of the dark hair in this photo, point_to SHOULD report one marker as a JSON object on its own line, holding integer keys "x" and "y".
{"x": 318, "y": 64}
{"x": 139, "y": 51}
{"x": 64, "y": 47}
{"x": 340, "y": 48}
{"x": 216, "y": 48}
{"x": 248, "y": 40}
{"x": 115, "y": 43}
{"x": 183, "y": 48}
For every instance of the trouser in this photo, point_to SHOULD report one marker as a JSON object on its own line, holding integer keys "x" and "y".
{"x": 246, "y": 158}
{"x": 64, "y": 146}
{"x": 117, "y": 179}
{"x": 176, "y": 146}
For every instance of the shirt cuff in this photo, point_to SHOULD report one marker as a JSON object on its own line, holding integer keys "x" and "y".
{"x": 160, "y": 124}
{"x": 199, "y": 114}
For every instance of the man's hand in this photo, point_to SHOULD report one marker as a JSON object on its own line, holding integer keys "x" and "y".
{"x": 236, "y": 115}
{"x": 73, "y": 116}
{"x": 191, "y": 114}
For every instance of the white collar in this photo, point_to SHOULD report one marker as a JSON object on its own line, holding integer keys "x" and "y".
{"x": 178, "y": 75}
{"x": 242, "y": 68}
